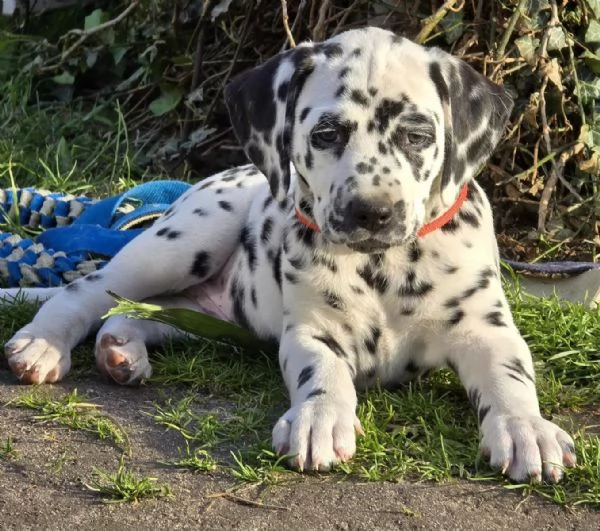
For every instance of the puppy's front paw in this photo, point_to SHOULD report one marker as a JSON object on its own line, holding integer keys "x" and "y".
{"x": 123, "y": 359}
{"x": 37, "y": 358}
{"x": 527, "y": 447}
{"x": 318, "y": 434}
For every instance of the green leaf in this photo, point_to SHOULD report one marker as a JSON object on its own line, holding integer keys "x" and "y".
{"x": 65, "y": 78}
{"x": 527, "y": 47}
{"x": 95, "y": 18}
{"x": 594, "y": 5}
{"x": 167, "y": 101}
{"x": 588, "y": 89}
{"x": 592, "y": 34}
{"x": 118, "y": 52}
{"x": 196, "y": 323}
{"x": 556, "y": 38}
{"x": 453, "y": 26}
{"x": 592, "y": 60}
{"x": 590, "y": 136}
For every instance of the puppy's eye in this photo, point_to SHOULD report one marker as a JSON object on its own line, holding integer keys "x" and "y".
{"x": 325, "y": 137}
{"x": 418, "y": 139}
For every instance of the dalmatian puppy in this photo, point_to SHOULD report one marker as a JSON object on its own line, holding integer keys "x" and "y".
{"x": 357, "y": 239}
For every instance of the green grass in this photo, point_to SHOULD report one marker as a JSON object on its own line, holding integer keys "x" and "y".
{"x": 74, "y": 411}
{"x": 125, "y": 486}
{"x": 7, "y": 448}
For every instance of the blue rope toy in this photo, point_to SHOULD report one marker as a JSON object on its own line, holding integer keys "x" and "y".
{"x": 79, "y": 235}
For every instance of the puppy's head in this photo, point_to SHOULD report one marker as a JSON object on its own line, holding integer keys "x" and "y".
{"x": 374, "y": 125}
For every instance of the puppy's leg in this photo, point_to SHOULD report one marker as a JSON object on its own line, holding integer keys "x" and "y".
{"x": 121, "y": 343}
{"x": 495, "y": 367}
{"x": 319, "y": 428}
{"x": 182, "y": 249}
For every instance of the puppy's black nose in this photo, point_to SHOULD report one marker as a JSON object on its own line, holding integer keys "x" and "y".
{"x": 371, "y": 215}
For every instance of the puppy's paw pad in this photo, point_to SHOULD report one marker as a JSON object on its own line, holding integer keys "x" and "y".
{"x": 122, "y": 360}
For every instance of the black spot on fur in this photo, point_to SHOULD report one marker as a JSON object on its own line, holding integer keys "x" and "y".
{"x": 374, "y": 279}
{"x": 304, "y": 114}
{"x": 276, "y": 266}
{"x": 249, "y": 246}
{"x": 267, "y": 229}
{"x": 253, "y": 296}
{"x": 385, "y": 112}
{"x": 515, "y": 366}
{"x": 372, "y": 341}
{"x": 282, "y": 91}
{"x": 495, "y": 318}
{"x": 383, "y": 150}
{"x": 305, "y": 375}
{"x": 199, "y": 212}
{"x": 226, "y": 205}
{"x": 333, "y": 300}
{"x": 344, "y": 72}
{"x": 359, "y": 97}
{"x": 201, "y": 265}
{"x": 329, "y": 341}
{"x": 450, "y": 226}
{"x": 413, "y": 287}
{"x": 316, "y": 392}
{"x": 414, "y": 252}
{"x": 292, "y": 278}
{"x": 92, "y": 277}
{"x": 456, "y": 317}
{"x": 72, "y": 287}
{"x": 340, "y": 91}
{"x": 469, "y": 218}
{"x": 239, "y": 312}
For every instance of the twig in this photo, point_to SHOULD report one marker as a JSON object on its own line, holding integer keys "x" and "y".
{"x": 198, "y": 55}
{"x": 556, "y": 169}
{"x": 86, "y": 34}
{"x": 318, "y": 31}
{"x": 432, "y": 21}
{"x": 517, "y": 13}
{"x": 345, "y": 16}
{"x": 245, "y": 501}
{"x": 232, "y": 64}
{"x": 286, "y": 26}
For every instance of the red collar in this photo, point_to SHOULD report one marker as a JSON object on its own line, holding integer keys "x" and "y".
{"x": 435, "y": 224}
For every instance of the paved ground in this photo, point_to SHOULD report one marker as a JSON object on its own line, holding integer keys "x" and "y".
{"x": 42, "y": 487}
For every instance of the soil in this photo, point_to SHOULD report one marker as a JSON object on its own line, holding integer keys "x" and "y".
{"x": 42, "y": 485}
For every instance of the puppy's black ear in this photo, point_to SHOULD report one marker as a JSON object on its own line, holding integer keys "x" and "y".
{"x": 475, "y": 114}
{"x": 261, "y": 104}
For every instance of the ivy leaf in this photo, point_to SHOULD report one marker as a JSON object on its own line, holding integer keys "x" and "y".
{"x": 556, "y": 39}
{"x": 594, "y": 5}
{"x": 592, "y": 60}
{"x": 169, "y": 99}
{"x": 95, "y": 18}
{"x": 66, "y": 78}
{"x": 527, "y": 47}
{"x": 453, "y": 26}
{"x": 588, "y": 90}
{"x": 592, "y": 34}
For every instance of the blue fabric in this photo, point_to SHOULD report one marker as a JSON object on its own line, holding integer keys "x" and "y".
{"x": 101, "y": 229}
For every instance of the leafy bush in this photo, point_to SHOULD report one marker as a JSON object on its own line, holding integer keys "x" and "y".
{"x": 158, "y": 68}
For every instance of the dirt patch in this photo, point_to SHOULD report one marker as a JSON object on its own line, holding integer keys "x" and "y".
{"x": 43, "y": 485}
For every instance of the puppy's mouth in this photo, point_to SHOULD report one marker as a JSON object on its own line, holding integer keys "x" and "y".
{"x": 369, "y": 246}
